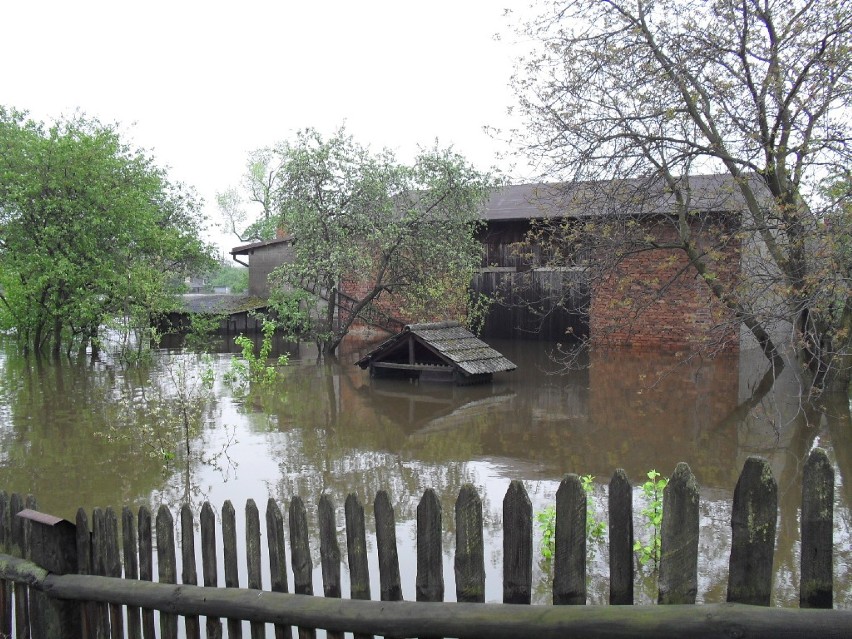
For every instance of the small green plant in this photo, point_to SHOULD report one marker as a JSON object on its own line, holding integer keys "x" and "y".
{"x": 649, "y": 552}
{"x": 595, "y": 528}
{"x": 254, "y": 368}
{"x": 547, "y": 523}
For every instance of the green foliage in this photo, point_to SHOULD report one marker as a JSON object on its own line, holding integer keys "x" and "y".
{"x": 92, "y": 230}
{"x": 163, "y": 418}
{"x": 402, "y": 230}
{"x": 202, "y": 328}
{"x": 649, "y": 552}
{"x": 236, "y": 278}
{"x": 295, "y": 313}
{"x": 253, "y": 368}
{"x": 595, "y": 528}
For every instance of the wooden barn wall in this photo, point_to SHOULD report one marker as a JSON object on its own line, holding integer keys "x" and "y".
{"x": 527, "y": 305}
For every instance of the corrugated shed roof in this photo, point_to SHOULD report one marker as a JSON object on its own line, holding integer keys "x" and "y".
{"x": 454, "y": 343}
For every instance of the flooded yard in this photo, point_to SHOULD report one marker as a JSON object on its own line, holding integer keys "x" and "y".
{"x": 327, "y": 427}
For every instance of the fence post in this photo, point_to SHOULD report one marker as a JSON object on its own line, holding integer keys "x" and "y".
{"x": 229, "y": 556}
{"x": 166, "y": 566}
{"x": 53, "y": 546}
{"x": 356, "y": 551}
{"x": 277, "y": 558}
{"x": 620, "y": 539}
{"x": 430, "y": 577}
{"x": 517, "y": 545}
{"x": 329, "y": 553}
{"x": 679, "y": 539}
{"x": 470, "y": 556}
{"x": 816, "y": 585}
{"x": 209, "y": 565}
{"x": 300, "y": 556}
{"x": 5, "y": 586}
{"x": 753, "y": 520}
{"x": 569, "y": 569}
{"x": 389, "y": 582}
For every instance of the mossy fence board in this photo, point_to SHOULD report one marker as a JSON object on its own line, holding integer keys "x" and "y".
{"x": 60, "y": 580}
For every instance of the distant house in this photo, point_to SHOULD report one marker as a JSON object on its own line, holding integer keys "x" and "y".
{"x": 263, "y": 258}
{"x": 527, "y": 295}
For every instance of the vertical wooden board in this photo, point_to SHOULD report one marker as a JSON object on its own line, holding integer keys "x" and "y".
{"x": 329, "y": 548}
{"x": 300, "y": 555}
{"x": 277, "y": 557}
{"x": 678, "y": 576}
{"x": 620, "y": 502}
{"x": 816, "y": 588}
{"x": 329, "y": 553}
{"x": 253, "y": 559}
{"x": 189, "y": 573}
{"x": 5, "y": 586}
{"x": 146, "y": 566}
{"x": 470, "y": 556}
{"x": 430, "y": 576}
{"x": 209, "y": 565}
{"x": 229, "y": 547}
{"x": 356, "y": 548}
{"x": 131, "y": 568}
{"x": 112, "y": 567}
{"x": 517, "y": 545}
{"x": 16, "y": 549}
{"x": 166, "y": 566}
{"x": 300, "y": 550}
{"x": 569, "y": 569}
{"x": 389, "y": 581}
{"x": 753, "y": 518}
{"x": 99, "y": 563}
{"x": 84, "y": 567}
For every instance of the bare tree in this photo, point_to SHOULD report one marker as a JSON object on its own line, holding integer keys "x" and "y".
{"x": 758, "y": 90}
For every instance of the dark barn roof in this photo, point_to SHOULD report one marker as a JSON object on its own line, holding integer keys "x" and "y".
{"x": 637, "y": 196}
{"x": 437, "y": 345}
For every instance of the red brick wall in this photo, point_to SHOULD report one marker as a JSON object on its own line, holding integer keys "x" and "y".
{"x": 656, "y": 300}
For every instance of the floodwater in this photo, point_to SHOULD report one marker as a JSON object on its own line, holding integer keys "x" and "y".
{"x": 328, "y": 427}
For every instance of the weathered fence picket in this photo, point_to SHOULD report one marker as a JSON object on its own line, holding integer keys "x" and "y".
{"x": 517, "y": 545}
{"x": 146, "y": 566}
{"x": 189, "y": 574}
{"x": 753, "y": 534}
{"x": 678, "y": 581}
{"x": 229, "y": 547}
{"x": 620, "y": 508}
{"x": 86, "y": 588}
{"x": 816, "y": 585}
{"x": 209, "y": 565}
{"x": 569, "y": 566}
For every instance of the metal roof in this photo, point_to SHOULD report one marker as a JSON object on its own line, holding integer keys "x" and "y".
{"x": 453, "y": 343}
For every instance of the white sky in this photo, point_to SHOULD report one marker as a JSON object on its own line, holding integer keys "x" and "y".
{"x": 199, "y": 84}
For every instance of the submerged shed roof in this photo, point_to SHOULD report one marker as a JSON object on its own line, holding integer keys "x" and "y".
{"x": 450, "y": 341}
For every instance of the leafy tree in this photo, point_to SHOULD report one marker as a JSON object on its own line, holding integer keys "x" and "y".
{"x": 90, "y": 230}
{"x": 234, "y": 277}
{"x": 258, "y": 189}
{"x": 406, "y": 230}
{"x": 756, "y": 89}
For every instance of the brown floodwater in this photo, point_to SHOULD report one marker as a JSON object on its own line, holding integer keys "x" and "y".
{"x": 328, "y": 427}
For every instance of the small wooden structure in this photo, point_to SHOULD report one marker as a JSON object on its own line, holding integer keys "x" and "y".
{"x": 439, "y": 351}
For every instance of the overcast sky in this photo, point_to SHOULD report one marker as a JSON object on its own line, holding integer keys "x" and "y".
{"x": 200, "y": 84}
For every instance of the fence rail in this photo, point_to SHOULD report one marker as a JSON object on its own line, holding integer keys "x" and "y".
{"x": 69, "y": 580}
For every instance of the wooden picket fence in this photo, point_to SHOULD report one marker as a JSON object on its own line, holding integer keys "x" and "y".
{"x": 63, "y": 579}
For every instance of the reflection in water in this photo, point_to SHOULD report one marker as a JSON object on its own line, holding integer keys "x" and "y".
{"x": 327, "y": 427}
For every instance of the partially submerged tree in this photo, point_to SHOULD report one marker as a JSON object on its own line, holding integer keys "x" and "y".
{"x": 756, "y": 89}
{"x": 387, "y": 227}
{"x": 90, "y": 230}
